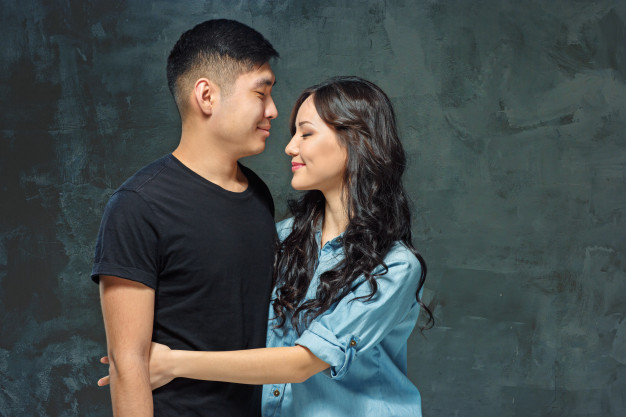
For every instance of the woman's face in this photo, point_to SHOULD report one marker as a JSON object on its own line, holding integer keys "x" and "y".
{"x": 318, "y": 160}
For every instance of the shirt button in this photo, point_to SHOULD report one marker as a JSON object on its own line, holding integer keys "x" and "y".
{"x": 353, "y": 343}
{"x": 276, "y": 393}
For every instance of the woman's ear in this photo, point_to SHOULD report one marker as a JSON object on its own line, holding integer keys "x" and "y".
{"x": 206, "y": 94}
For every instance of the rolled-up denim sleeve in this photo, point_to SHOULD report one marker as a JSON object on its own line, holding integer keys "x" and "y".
{"x": 353, "y": 326}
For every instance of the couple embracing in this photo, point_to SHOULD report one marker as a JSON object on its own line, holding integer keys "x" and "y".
{"x": 211, "y": 309}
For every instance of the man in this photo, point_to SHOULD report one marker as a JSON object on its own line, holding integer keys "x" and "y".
{"x": 185, "y": 249}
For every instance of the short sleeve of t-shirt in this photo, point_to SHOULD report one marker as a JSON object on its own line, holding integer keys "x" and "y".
{"x": 127, "y": 243}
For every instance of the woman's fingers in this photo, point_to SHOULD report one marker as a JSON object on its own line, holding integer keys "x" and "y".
{"x": 104, "y": 381}
{"x": 107, "y": 379}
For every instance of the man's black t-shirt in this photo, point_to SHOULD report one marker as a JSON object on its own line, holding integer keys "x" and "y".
{"x": 207, "y": 252}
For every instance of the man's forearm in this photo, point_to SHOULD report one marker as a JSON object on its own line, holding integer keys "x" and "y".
{"x": 131, "y": 394}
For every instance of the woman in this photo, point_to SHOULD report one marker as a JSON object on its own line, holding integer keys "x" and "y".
{"x": 347, "y": 276}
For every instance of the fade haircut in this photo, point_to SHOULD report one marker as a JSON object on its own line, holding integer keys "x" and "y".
{"x": 220, "y": 50}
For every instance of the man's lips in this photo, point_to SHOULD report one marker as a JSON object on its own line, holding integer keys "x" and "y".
{"x": 264, "y": 128}
{"x": 296, "y": 165}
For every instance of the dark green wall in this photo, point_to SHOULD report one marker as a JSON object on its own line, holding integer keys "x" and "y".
{"x": 512, "y": 112}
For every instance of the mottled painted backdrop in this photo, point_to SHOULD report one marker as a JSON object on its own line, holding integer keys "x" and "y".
{"x": 513, "y": 114}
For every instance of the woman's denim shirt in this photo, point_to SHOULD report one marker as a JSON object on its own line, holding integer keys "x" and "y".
{"x": 364, "y": 342}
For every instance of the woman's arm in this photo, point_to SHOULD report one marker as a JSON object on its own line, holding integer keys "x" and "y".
{"x": 277, "y": 365}
{"x": 254, "y": 366}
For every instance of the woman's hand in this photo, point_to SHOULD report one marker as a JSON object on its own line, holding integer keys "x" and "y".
{"x": 160, "y": 366}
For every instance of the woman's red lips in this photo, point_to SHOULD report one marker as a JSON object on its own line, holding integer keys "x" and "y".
{"x": 296, "y": 165}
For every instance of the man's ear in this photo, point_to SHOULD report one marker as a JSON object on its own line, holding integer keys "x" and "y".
{"x": 206, "y": 94}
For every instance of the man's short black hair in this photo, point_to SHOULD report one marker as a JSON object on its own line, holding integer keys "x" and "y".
{"x": 219, "y": 50}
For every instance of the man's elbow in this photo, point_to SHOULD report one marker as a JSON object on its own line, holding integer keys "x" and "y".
{"x": 124, "y": 363}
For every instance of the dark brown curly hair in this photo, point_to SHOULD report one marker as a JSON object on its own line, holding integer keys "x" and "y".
{"x": 362, "y": 116}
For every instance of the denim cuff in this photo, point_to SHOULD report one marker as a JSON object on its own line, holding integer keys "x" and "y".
{"x": 337, "y": 352}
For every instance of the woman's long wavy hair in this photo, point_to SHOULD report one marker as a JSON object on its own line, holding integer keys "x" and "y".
{"x": 362, "y": 116}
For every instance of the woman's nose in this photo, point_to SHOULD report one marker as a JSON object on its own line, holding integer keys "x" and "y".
{"x": 292, "y": 147}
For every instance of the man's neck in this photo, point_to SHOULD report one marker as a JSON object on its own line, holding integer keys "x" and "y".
{"x": 211, "y": 162}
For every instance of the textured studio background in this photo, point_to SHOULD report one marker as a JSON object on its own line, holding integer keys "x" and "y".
{"x": 513, "y": 114}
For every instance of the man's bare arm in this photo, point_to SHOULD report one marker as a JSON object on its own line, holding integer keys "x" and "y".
{"x": 128, "y": 311}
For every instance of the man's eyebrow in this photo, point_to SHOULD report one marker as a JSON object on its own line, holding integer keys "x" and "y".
{"x": 264, "y": 82}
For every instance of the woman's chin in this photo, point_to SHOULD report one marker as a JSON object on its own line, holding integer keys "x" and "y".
{"x": 298, "y": 186}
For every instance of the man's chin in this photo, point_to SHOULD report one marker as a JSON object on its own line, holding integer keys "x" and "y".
{"x": 255, "y": 151}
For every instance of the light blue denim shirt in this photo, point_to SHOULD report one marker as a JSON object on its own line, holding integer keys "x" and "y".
{"x": 364, "y": 342}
